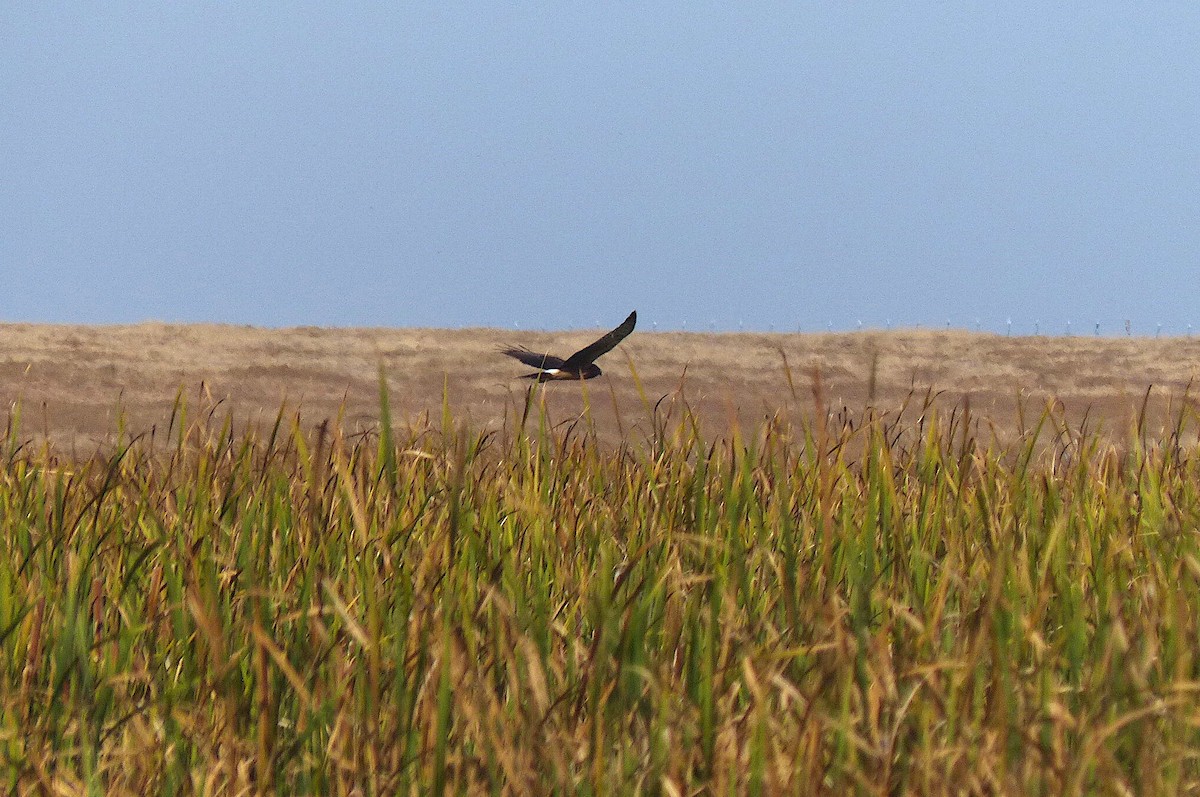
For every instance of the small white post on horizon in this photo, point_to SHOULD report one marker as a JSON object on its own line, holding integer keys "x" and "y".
{"x": 1009, "y": 333}
{"x": 1068, "y": 327}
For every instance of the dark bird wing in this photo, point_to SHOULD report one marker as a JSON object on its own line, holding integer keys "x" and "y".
{"x": 604, "y": 345}
{"x": 534, "y": 360}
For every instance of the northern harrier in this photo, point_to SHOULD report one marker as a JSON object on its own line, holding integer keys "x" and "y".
{"x": 581, "y": 364}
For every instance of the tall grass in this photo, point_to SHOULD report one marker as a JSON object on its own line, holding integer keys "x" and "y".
{"x": 853, "y": 605}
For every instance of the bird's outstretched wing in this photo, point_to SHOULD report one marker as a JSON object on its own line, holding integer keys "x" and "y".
{"x": 535, "y": 360}
{"x": 604, "y": 345}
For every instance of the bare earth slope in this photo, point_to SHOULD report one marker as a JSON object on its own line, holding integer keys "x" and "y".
{"x": 72, "y": 382}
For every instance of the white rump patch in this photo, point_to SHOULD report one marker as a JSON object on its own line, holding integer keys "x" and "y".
{"x": 550, "y": 371}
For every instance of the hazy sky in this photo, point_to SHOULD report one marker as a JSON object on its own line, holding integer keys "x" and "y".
{"x": 555, "y": 165}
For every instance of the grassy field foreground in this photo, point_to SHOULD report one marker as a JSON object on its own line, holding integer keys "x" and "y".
{"x": 860, "y": 605}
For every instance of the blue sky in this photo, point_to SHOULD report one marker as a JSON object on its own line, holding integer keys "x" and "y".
{"x": 764, "y": 165}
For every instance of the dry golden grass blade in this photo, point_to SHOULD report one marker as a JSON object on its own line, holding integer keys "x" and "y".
{"x": 281, "y": 661}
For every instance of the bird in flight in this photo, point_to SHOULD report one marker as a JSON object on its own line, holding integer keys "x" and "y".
{"x": 581, "y": 364}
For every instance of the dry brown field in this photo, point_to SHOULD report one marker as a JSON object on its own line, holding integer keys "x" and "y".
{"x": 72, "y": 382}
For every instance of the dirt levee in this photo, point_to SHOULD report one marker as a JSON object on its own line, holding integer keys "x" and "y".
{"x": 72, "y": 383}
